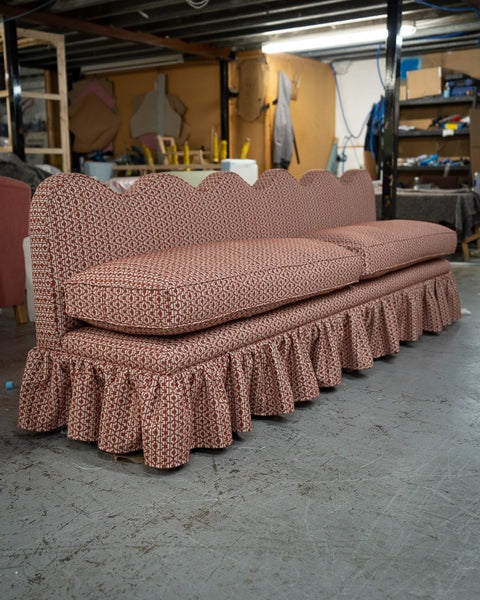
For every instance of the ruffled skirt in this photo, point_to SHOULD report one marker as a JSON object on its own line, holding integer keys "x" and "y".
{"x": 168, "y": 395}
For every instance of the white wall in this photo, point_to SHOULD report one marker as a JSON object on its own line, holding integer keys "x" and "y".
{"x": 360, "y": 88}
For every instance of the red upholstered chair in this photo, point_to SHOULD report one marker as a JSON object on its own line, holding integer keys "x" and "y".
{"x": 14, "y": 213}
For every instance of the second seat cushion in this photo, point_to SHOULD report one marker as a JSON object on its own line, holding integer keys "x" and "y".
{"x": 187, "y": 288}
{"x": 386, "y": 246}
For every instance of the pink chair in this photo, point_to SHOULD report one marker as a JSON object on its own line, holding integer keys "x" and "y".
{"x": 14, "y": 214}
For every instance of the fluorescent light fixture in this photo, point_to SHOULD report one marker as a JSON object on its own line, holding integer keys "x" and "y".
{"x": 352, "y": 37}
{"x": 407, "y": 30}
{"x": 128, "y": 65}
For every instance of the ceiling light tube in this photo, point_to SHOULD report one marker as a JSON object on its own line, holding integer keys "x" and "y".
{"x": 128, "y": 65}
{"x": 333, "y": 40}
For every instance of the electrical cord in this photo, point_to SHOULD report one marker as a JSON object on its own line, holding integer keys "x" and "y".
{"x": 197, "y": 3}
{"x": 29, "y": 12}
{"x": 444, "y": 35}
{"x": 378, "y": 64}
{"x": 351, "y": 135}
{"x": 458, "y": 9}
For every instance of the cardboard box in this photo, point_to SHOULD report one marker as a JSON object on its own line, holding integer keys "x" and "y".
{"x": 403, "y": 91}
{"x": 417, "y": 123}
{"x": 424, "y": 82}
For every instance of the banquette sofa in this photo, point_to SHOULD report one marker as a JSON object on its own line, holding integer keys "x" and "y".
{"x": 168, "y": 315}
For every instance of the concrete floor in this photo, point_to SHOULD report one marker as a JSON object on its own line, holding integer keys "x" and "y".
{"x": 372, "y": 491}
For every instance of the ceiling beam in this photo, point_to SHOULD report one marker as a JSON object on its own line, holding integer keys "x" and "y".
{"x": 44, "y": 18}
{"x": 109, "y": 10}
{"x": 70, "y": 5}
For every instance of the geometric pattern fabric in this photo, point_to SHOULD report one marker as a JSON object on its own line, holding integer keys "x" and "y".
{"x": 193, "y": 287}
{"x": 386, "y": 246}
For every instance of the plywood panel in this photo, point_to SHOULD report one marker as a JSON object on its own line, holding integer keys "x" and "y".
{"x": 198, "y": 86}
{"x": 313, "y": 112}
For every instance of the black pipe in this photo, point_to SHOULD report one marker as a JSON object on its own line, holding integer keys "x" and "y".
{"x": 14, "y": 88}
{"x": 392, "y": 84}
{"x": 224, "y": 96}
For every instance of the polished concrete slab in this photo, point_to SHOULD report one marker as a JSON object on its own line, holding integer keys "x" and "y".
{"x": 371, "y": 491}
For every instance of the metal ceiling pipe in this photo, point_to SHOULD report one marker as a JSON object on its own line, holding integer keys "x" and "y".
{"x": 224, "y": 95}
{"x": 131, "y": 17}
{"x": 248, "y": 24}
{"x": 390, "y": 131}
{"x": 14, "y": 89}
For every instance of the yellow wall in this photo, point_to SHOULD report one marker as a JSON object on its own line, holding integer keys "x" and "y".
{"x": 198, "y": 86}
{"x": 126, "y": 86}
{"x": 313, "y": 112}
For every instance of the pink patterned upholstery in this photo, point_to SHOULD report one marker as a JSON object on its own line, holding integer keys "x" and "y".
{"x": 78, "y": 222}
{"x": 193, "y": 287}
{"x": 389, "y": 245}
{"x": 14, "y": 208}
{"x": 169, "y": 394}
{"x": 167, "y": 354}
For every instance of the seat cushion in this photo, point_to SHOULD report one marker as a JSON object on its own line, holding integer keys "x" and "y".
{"x": 192, "y": 287}
{"x": 389, "y": 245}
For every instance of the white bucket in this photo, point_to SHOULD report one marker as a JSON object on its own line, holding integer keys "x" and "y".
{"x": 245, "y": 167}
{"x": 100, "y": 170}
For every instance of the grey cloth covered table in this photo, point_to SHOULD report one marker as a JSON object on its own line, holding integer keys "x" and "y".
{"x": 460, "y": 208}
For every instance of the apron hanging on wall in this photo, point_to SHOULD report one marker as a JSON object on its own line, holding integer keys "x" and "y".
{"x": 282, "y": 124}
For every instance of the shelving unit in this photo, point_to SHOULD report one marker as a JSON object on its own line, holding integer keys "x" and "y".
{"x": 433, "y": 133}
{"x": 440, "y": 100}
{"x": 455, "y": 144}
{"x": 435, "y": 169}
{"x": 56, "y": 99}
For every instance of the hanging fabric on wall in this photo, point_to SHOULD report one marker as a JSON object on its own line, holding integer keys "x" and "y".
{"x": 373, "y": 139}
{"x": 93, "y": 124}
{"x": 282, "y": 124}
{"x": 158, "y": 113}
{"x": 252, "y": 88}
{"x": 332, "y": 165}
{"x": 93, "y": 117}
{"x": 144, "y": 118}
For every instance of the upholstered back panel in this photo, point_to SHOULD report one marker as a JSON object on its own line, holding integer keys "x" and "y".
{"x": 77, "y": 222}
